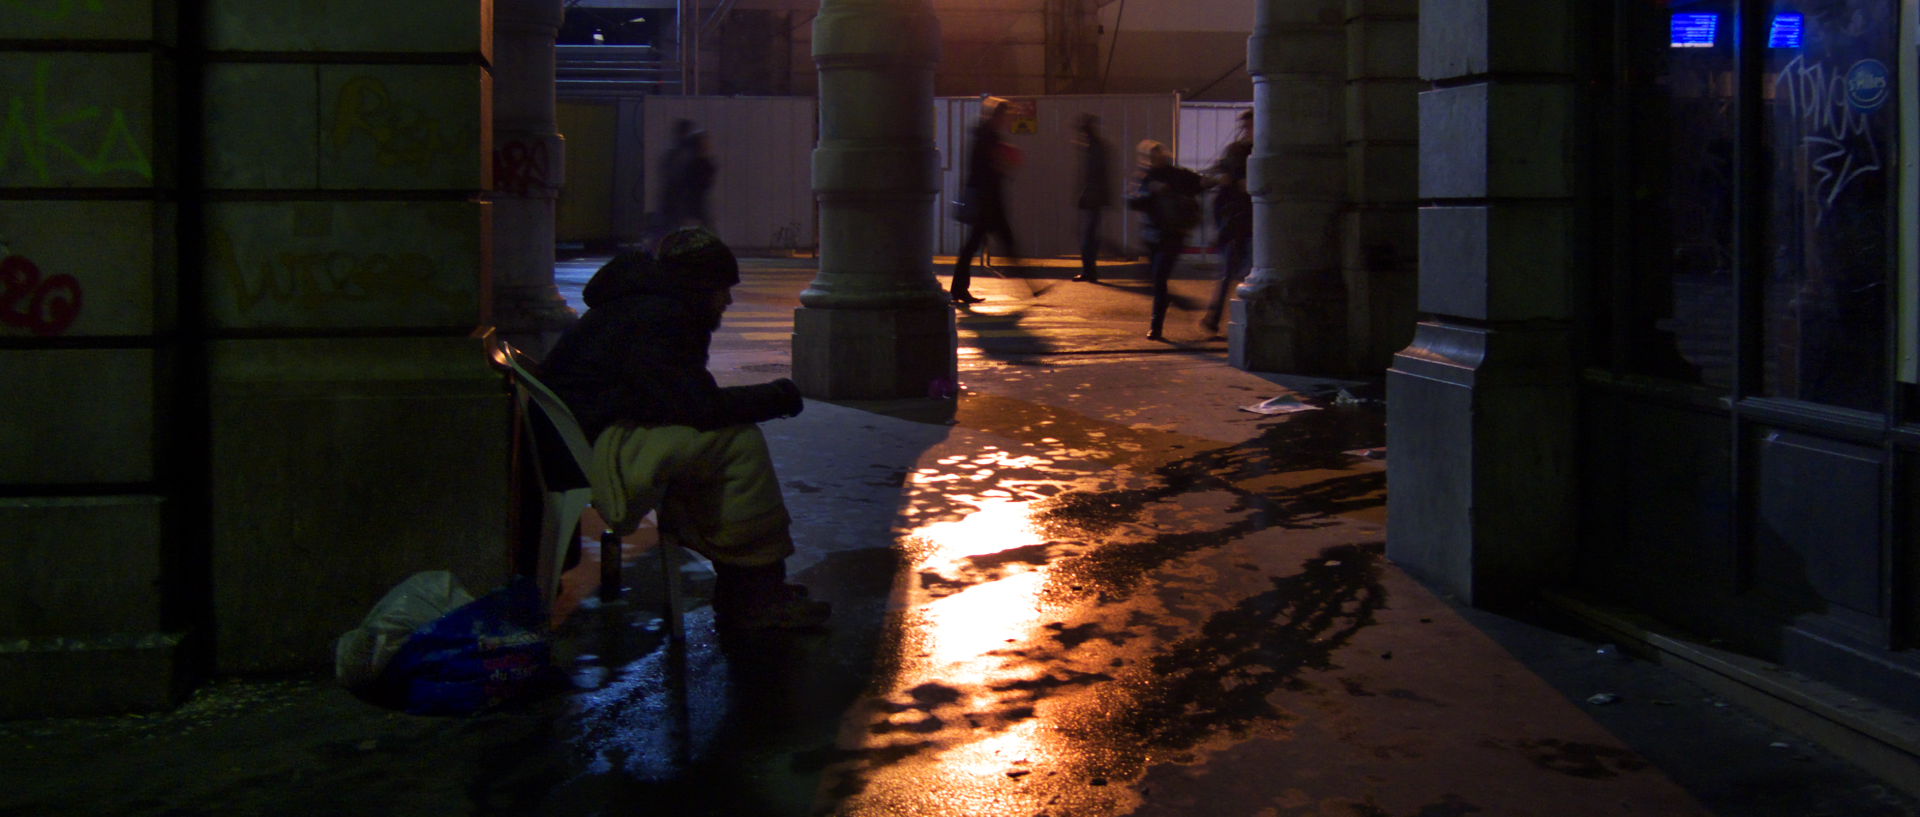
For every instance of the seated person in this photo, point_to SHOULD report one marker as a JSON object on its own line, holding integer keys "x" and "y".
{"x": 633, "y": 370}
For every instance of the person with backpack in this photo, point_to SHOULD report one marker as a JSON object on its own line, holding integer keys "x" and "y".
{"x": 1168, "y": 199}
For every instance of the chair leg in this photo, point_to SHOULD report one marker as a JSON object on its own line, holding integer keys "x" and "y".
{"x": 609, "y": 566}
{"x": 670, "y": 577}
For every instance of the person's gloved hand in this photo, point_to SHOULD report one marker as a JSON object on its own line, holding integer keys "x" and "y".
{"x": 789, "y": 401}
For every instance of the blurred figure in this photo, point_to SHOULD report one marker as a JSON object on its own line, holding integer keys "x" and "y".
{"x": 1167, "y": 197}
{"x": 686, "y": 175}
{"x": 666, "y": 437}
{"x": 982, "y": 207}
{"x": 1096, "y": 193}
{"x": 1232, "y": 219}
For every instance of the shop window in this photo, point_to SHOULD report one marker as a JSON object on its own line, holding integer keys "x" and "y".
{"x": 1679, "y": 132}
{"x": 1829, "y": 123}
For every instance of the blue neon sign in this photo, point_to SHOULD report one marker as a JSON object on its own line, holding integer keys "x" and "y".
{"x": 1694, "y": 30}
{"x": 1787, "y": 30}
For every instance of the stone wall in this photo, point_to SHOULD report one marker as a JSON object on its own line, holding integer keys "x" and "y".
{"x": 241, "y": 334}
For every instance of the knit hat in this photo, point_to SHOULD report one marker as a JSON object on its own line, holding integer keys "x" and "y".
{"x": 695, "y": 258}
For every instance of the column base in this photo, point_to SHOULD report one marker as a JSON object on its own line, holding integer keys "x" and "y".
{"x": 875, "y": 354}
{"x": 1296, "y": 325}
{"x": 1480, "y": 430}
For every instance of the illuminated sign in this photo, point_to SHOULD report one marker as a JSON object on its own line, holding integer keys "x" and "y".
{"x": 1868, "y": 85}
{"x": 1692, "y": 30}
{"x": 1786, "y": 30}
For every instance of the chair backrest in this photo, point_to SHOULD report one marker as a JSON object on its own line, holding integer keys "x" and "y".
{"x": 534, "y": 394}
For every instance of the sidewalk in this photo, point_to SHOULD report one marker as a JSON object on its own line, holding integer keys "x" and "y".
{"x": 1101, "y": 589}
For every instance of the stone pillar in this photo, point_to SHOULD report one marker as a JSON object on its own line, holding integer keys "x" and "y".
{"x": 875, "y": 324}
{"x": 1480, "y": 408}
{"x": 1290, "y": 315}
{"x": 529, "y": 167}
{"x": 1379, "y": 232}
{"x": 358, "y": 433}
{"x": 93, "y": 614}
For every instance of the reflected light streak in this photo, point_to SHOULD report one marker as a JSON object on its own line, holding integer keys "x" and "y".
{"x": 987, "y": 615}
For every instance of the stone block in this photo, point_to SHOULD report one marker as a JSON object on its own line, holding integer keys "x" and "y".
{"x": 80, "y": 567}
{"x": 1382, "y": 172}
{"x": 1383, "y": 47}
{"x": 77, "y": 120}
{"x": 1308, "y": 112}
{"x": 1511, "y": 140}
{"x": 340, "y": 467}
{"x": 1381, "y": 237}
{"x": 1384, "y": 109}
{"x": 255, "y": 137}
{"x": 1383, "y": 8}
{"x": 84, "y": 19}
{"x": 1316, "y": 173}
{"x": 77, "y": 416}
{"x": 1504, "y": 262}
{"x": 405, "y": 127}
{"x": 444, "y": 26}
{"x": 86, "y": 268}
{"x": 1454, "y": 142}
{"x": 347, "y": 264}
{"x": 1297, "y": 50}
{"x": 874, "y": 354}
{"x": 1301, "y": 12}
{"x": 133, "y": 673}
{"x": 1461, "y": 38}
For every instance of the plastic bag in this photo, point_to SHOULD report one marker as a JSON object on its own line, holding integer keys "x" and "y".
{"x": 360, "y": 654}
{"x": 474, "y": 657}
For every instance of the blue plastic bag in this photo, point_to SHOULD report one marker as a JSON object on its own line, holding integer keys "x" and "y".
{"x": 477, "y": 657}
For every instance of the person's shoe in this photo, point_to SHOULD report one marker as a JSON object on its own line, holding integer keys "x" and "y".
{"x": 1091, "y": 279}
{"x": 1155, "y": 335}
{"x": 964, "y": 298}
{"x": 787, "y": 608}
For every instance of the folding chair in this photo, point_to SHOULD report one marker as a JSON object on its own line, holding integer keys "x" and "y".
{"x": 567, "y": 493}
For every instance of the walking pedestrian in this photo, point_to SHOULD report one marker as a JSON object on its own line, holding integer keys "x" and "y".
{"x": 1096, "y": 194}
{"x": 1167, "y": 198}
{"x": 1232, "y": 220}
{"x": 982, "y": 207}
{"x": 687, "y": 172}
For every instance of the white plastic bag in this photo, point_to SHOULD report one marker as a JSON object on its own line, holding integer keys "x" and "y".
{"x": 360, "y": 654}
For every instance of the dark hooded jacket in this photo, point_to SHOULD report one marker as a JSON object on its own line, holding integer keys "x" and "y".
{"x": 639, "y": 355}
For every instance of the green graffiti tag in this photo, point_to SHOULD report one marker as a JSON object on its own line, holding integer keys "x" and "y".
{"x": 321, "y": 279}
{"x": 401, "y": 134}
{"x": 53, "y": 12}
{"x": 43, "y": 137}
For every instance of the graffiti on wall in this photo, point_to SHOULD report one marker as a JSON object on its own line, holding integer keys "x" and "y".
{"x": 521, "y": 167}
{"x": 94, "y": 139}
{"x": 53, "y": 11}
{"x": 320, "y": 279}
{"x": 1835, "y": 128}
{"x": 44, "y": 306}
{"x": 401, "y": 134}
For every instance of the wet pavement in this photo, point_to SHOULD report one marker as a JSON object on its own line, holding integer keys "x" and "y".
{"x": 1098, "y": 588}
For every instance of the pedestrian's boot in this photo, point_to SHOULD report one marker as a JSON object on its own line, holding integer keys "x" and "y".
{"x": 1159, "y": 318}
{"x": 759, "y": 598}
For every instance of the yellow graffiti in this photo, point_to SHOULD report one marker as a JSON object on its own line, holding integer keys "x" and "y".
{"x": 401, "y": 134}
{"x": 41, "y": 137}
{"x": 319, "y": 279}
{"x": 55, "y": 11}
